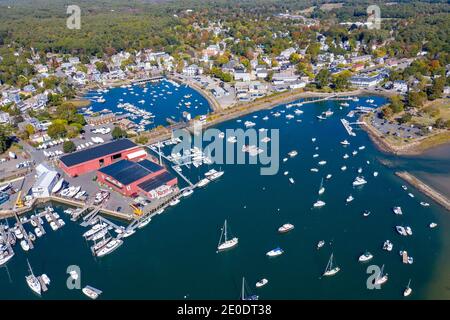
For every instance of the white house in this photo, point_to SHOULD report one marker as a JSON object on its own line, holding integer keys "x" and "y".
{"x": 365, "y": 81}
{"x": 400, "y": 86}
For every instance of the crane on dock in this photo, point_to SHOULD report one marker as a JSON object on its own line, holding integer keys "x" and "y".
{"x": 19, "y": 202}
{"x": 136, "y": 210}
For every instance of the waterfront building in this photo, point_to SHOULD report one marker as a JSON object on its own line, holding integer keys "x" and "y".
{"x": 142, "y": 177}
{"x": 46, "y": 180}
{"x": 94, "y": 158}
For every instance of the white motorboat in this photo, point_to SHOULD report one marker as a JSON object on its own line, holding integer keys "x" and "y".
{"x": 408, "y": 231}
{"x": 345, "y": 156}
{"x": 285, "y": 228}
{"x": 424, "y": 204}
{"x": 322, "y": 163}
{"x": 216, "y": 175}
{"x": 365, "y": 257}
{"x": 38, "y": 232}
{"x": 330, "y": 270}
{"x": 360, "y": 170}
{"x": 329, "y": 176}
{"x": 58, "y": 186}
{"x": 314, "y": 170}
{"x": 349, "y": 199}
{"x": 160, "y": 211}
{"x": 388, "y": 245}
{"x": 74, "y": 275}
{"x": 275, "y": 252}
{"x": 404, "y": 187}
{"x": 292, "y": 153}
{"x": 401, "y": 230}
{"x": 203, "y": 182}
{"x": 33, "y": 281}
{"x": 227, "y": 243}
{"x": 345, "y": 143}
{"x": 109, "y": 247}
{"x": 95, "y": 228}
{"x": 411, "y": 195}
{"x": 91, "y": 292}
{"x": 128, "y": 232}
{"x": 320, "y": 244}
{"x": 53, "y": 225}
{"x": 5, "y": 256}
{"x": 98, "y": 235}
{"x": 187, "y": 192}
{"x": 343, "y": 168}
{"x": 433, "y": 225}
{"x": 291, "y": 180}
{"x": 375, "y": 173}
{"x": 397, "y": 210}
{"x": 318, "y": 204}
{"x": 315, "y": 155}
{"x": 18, "y": 233}
{"x": 249, "y": 124}
{"x": 24, "y": 245}
{"x": 361, "y": 147}
{"x": 359, "y": 181}
{"x": 366, "y": 213}
{"x": 261, "y": 283}
{"x": 144, "y": 222}
{"x": 355, "y": 153}
{"x": 174, "y": 202}
{"x": 232, "y": 139}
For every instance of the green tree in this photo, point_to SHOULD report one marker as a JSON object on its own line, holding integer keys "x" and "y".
{"x": 416, "y": 99}
{"x": 396, "y": 104}
{"x": 118, "y": 133}
{"x": 29, "y": 129}
{"x": 437, "y": 88}
{"x": 322, "y": 78}
{"x": 69, "y": 146}
{"x": 3, "y": 140}
{"x": 57, "y": 130}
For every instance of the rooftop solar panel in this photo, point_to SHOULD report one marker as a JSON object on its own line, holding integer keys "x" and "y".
{"x": 156, "y": 182}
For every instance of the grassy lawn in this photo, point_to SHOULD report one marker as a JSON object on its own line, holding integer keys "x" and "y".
{"x": 433, "y": 110}
{"x": 80, "y": 103}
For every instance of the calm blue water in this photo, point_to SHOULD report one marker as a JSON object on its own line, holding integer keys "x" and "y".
{"x": 175, "y": 255}
{"x": 162, "y": 98}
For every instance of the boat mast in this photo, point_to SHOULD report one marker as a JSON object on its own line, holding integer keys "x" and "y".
{"x": 221, "y": 234}
{"x": 29, "y": 267}
{"x": 243, "y": 290}
{"x": 225, "y": 231}
{"x": 409, "y": 283}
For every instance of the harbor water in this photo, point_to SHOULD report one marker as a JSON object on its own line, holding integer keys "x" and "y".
{"x": 175, "y": 256}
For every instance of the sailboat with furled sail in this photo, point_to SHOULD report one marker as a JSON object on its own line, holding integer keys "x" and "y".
{"x": 322, "y": 189}
{"x": 244, "y": 296}
{"x": 226, "y": 244}
{"x": 330, "y": 270}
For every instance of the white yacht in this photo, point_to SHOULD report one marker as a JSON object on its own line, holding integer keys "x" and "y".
{"x": 401, "y": 230}
{"x": 203, "y": 182}
{"x": 318, "y": 204}
{"x": 144, "y": 222}
{"x": 226, "y": 244}
{"x": 433, "y": 225}
{"x": 345, "y": 143}
{"x": 187, "y": 192}
{"x": 359, "y": 181}
{"x": 275, "y": 252}
{"x": 330, "y": 270}
{"x": 58, "y": 186}
{"x": 97, "y": 227}
{"x": 216, "y": 175}
{"x": 33, "y": 281}
{"x": 5, "y": 256}
{"x": 109, "y": 247}
{"x": 91, "y": 292}
{"x": 285, "y": 228}
{"x": 174, "y": 202}
{"x": 261, "y": 283}
{"x": 292, "y": 153}
{"x": 388, "y": 245}
{"x": 365, "y": 257}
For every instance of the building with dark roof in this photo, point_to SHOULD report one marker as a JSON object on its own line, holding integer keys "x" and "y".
{"x": 131, "y": 178}
{"x": 91, "y": 159}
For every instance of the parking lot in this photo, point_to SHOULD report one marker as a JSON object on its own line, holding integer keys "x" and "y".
{"x": 393, "y": 128}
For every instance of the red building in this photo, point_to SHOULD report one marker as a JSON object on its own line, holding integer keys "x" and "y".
{"x": 94, "y": 158}
{"x": 131, "y": 178}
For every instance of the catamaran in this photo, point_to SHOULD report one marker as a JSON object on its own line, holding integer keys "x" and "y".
{"x": 244, "y": 296}
{"x": 401, "y": 230}
{"x": 226, "y": 244}
{"x": 33, "y": 281}
{"x": 329, "y": 270}
{"x": 397, "y": 210}
{"x": 388, "y": 245}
